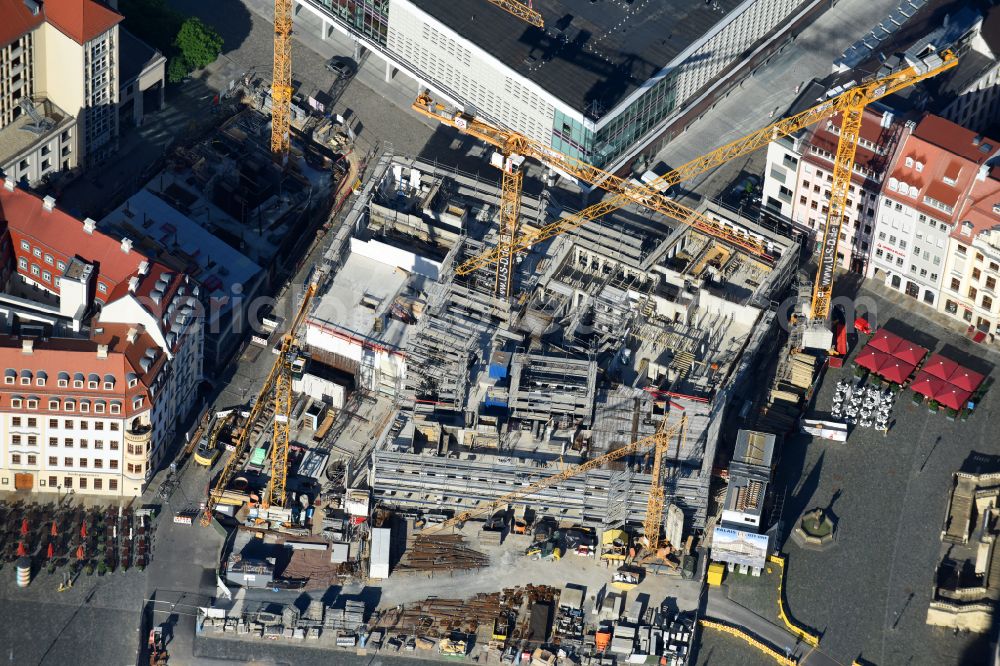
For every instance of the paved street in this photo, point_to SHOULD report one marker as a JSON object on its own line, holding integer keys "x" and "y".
{"x": 747, "y": 108}
{"x": 868, "y": 595}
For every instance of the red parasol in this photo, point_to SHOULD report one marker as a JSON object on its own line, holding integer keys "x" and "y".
{"x": 21, "y": 550}
{"x": 55, "y": 530}
{"x": 941, "y": 367}
{"x": 24, "y": 526}
{"x": 953, "y": 397}
{"x": 51, "y": 551}
{"x": 965, "y": 379}
{"x": 928, "y": 385}
{"x": 908, "y": 352}
{"x": 871, "y": 358}
{"x": 884, "y": 341}
{"x": 895, "y": 370}
{"x": 83, "y": 531}
{"x": 80, "y": 553}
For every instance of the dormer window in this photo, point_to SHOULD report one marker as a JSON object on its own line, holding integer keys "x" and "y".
{"x": 84, "y": 406}
{"x": 137, "y": 402}
{"x": 920, "y": 167}
{"x": 116, "y": 408}
{"x": 92, "y": 385}
{"x": 69, "y": 405}
{"x": 99, "y": 407}
{"x": 15, "y": 403}
{"x": 966, "y": 228}
{"x": 32, "y": 403}
{"x": 54, "y": 405}
{"x": 893, "y": 184}
{"x": 909, "y": 162}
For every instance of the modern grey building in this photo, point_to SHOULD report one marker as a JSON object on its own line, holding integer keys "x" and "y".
{"x": 602, "y": 81}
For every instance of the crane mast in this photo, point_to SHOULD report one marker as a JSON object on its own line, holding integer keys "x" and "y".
{"x": 510, "y": 207}
{"x": 281, "y": 80}
{"x": 866, "y": 92}
{"x": 843, "y": 165}
{"x": 279, "y": 376}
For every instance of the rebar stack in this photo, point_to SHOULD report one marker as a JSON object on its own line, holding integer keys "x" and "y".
{"x": 440, "y": 553}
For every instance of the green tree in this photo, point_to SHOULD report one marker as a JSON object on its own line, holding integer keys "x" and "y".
{"x": 177, "y": 69}
{"x": 198, "y": 43}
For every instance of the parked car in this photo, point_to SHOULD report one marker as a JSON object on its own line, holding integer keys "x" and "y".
{"x": 342, "y": 67}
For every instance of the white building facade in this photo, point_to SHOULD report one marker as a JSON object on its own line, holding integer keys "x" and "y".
{"x": 413, "y": 38}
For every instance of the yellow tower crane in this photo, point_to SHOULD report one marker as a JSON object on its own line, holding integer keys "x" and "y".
{"x": 525, "y": 12}
{"x": 660, "y": 442}
{"x": 281, "y": 80}
{"x": 514, "y": 147}
{"x": 850, "y": 104}
{"x": 278, "y": 384}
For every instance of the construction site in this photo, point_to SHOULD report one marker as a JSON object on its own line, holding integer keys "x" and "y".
{"x": 477, "y": 381}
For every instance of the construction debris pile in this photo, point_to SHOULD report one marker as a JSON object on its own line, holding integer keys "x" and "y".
{"x": 440, "y": 553}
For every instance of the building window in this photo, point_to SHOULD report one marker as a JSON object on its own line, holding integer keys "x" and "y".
{"x": 83, "y": 484}
{"x": 67, "y": 462}
{"x": 83, "y": 462}
{"x": 68, "y": 442}
{"x": 961, "y": 249}
{"x": 32, "y": 459}
{"x": 53, "y": 481}
{"x": 976, "y": 274}
{"x": 987, "y": 303}
{"x": 112, "y": 484}
{"x": 101, "y": 287}
{"x": 25, "y": 246}
{"x": 116, "y": 408}
{"x": 49, "y": 260}
{"x": 113, "y": 464}
{"x": 98, "y": 464}
{"x": 22, "y": 263}
{"x": 68, "y": 424}
{"x": 99, "y": 408}
{"x": 53, "y": 461}
{"x": 15, "y": 440}
{"x": 37, "y": 252}
{"x": 15, "y": 421}
{"x": 15, "y": 403}
{"x": 956, "y": 284}
{"x": 98, "y": 444}
{"x": 15, "y": 459}
{"x": 98, "y": 484}
{"x": 114, "y": 425}
{"x": 68, "y": 482}
{"x": 32, "y": 440}
{"x": 47, "y": 276}
{"x": 84, "y": 444}
{"x": 113, "y": 445}
{"x": 973, "y": 293}
{"x": 53, "y": 441}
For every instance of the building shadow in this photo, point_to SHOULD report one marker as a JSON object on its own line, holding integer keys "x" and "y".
{"x": 230, "y": 18}
{"x": 800, "y": 494}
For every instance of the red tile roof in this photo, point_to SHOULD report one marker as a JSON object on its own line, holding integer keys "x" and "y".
{"x": 943, "y": 150}
{"x": 71, "y": 356}
{"x": 62, "y": 233}
{"x": 17, "y": 20}
{"x": 978, "y": 208}
{"x": 955, "y": 139}
{"x": 81, "y": 20}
